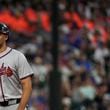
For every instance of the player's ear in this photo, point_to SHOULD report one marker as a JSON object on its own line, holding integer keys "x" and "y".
{"x": 6, "y": 37}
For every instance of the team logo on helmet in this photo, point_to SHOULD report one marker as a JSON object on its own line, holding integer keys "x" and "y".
{"x": 4, "y": 28}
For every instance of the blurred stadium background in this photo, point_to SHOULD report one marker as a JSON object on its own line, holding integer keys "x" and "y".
{"x": 84, "y": 49}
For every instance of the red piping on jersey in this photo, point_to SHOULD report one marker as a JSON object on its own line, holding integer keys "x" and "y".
{"x": 6, "y": 53}
{"x": 27, "y": 76}
{"x": 0, "y": 77}
{"x": 2, "y": 89}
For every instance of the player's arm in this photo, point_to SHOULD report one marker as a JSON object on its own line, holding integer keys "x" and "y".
{"x": 27, "y": 89}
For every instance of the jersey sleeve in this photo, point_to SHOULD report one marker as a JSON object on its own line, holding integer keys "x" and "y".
{"x": 24, "y": 69}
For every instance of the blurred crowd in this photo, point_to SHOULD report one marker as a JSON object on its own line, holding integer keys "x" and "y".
{"x": 84, "y": 49}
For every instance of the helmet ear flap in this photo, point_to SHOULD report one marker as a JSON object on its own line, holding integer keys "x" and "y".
{"x": 4, "y": 28}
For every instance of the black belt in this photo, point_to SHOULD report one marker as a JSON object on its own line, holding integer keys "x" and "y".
{"x": 10, "y": 102}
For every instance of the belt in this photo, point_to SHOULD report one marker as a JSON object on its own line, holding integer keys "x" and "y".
{"x": 10, "y": 102}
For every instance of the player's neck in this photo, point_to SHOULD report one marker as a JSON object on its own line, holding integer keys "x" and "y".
{"x": 3, "y": 48}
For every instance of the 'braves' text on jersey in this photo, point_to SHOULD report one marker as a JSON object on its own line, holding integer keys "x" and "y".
{"x": 13, "y": 67}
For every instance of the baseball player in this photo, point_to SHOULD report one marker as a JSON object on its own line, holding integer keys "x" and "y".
{"x": 15, "y": 75}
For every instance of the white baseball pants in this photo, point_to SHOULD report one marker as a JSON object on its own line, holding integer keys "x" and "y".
{"x": 11, "y": 107}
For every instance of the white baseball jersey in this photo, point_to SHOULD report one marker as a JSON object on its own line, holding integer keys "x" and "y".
{"x": 13, "y": 67}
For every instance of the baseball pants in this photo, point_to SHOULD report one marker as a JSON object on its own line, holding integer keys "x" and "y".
{"x": 12, "y": 107}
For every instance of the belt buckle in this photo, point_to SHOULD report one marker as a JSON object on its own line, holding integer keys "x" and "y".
{"x": 11, "y": 102}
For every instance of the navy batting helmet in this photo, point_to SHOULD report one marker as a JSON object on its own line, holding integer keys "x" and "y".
{"x": 4, "y": 29}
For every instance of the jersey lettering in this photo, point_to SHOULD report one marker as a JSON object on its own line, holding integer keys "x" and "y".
{"x": 5, "y": 71}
